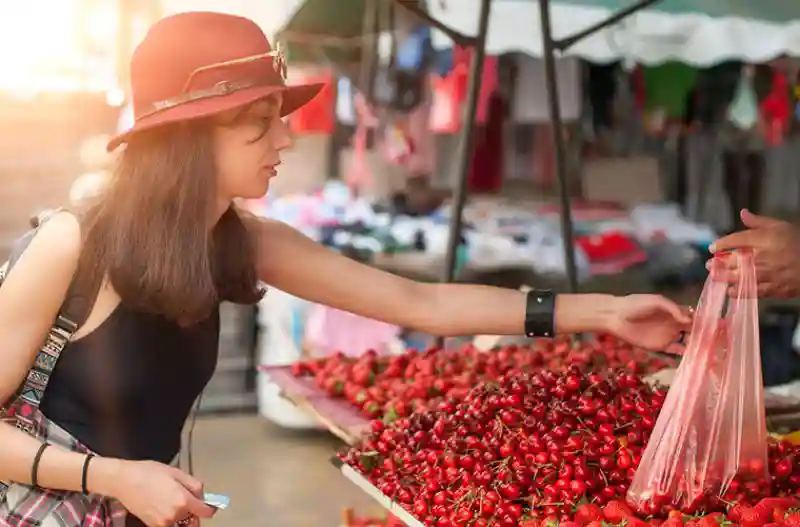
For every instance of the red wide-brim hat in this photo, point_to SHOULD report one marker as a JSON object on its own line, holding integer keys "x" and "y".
{"x": 199, "y": 64}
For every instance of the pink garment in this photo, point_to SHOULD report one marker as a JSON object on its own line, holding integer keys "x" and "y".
{"x": 359, "y": 176}
{"x": 329, "y": 330}
{"x": 423, "y": 156}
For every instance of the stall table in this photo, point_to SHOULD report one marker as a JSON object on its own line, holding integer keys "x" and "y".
{"x": 337, "y": 415}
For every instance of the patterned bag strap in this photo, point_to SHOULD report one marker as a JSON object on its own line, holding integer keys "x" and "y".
{"x": 72, "y": 315}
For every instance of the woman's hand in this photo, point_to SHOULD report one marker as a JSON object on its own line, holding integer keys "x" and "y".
{"x": 649, "y": 321}
{"x": 159, "y": 495}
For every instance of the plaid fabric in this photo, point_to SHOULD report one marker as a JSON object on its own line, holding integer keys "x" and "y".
{"x": 26, "y": 506}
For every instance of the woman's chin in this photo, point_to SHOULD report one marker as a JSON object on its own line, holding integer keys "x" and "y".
{"x": 256, "y": 192}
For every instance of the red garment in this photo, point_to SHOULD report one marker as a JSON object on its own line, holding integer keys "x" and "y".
{"x": 317, "y": 116}
{"x": 776, "y": 110}
{"x": 610, "y": 252}
{"x": 486, "y": 169}
{"x": 489, "y": 84}
{"x": 445, "y": 116}
{"x": 462, "y": 58}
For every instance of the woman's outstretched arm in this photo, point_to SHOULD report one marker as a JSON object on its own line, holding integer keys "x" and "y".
{"x": 290, "y": 261}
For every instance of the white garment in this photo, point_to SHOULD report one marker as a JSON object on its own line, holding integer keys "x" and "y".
{"x": 345, "y": 107}
{"x": 530, "y": 100}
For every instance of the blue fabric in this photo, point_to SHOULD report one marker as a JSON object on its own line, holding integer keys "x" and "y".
{"x": 443, "y": 61}
{"x": 411, "y": 52}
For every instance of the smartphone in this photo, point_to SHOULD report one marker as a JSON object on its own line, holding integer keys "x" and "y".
{"x": 218, "y": 501}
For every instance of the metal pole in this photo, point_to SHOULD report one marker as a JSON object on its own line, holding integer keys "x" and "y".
{"x": 561, "y": 148}
{"x": 465, "y": 145}
{"x": 369, "y": 48}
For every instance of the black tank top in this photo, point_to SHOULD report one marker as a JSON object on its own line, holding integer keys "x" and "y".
{"x": 126, "y": 389}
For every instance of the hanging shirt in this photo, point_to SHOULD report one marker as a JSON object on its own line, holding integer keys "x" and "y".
{"x": 530, "y": 104}
{"x": 667, "y": 86}
{"x": 412, "y": 52}
{"x": 776, "y": 108}
{"x": 345, "y": 108}
{"x": 743, "y": 111}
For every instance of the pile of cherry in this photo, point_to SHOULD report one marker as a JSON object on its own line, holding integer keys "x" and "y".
{"x": 351, "y": 519}
{"x": 546, "y": 450}
{"x": 396, "y": 386}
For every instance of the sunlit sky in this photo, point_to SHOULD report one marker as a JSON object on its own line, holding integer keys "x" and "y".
{"x": 50, "y": 45}
{"x": 72, "y": 45}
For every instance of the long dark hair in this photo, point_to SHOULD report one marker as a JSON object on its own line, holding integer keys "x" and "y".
{"x": 150, "y": 230}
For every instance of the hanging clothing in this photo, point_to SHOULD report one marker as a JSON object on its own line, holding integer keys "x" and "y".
{"x": 445, "y": 113}
{"x": 345, "y": 104}
{"x": 666, "y": 88}
{"x": 359, "y": 176}
{"x": 743, "y": 177}
{"x": 741, "y": 137}
{"x": 489, "y": 80}
{"x": 450, "y": 92}
{"x": 530, "y": 104}
{"x": 318, "y": 115}
{"x": 601, "y": 88}
{"x": 423, "y": 156}
{"x": 413, "y": 52}
{"x": 717, "y": 86}
{"x": 486, "y": 169}
{"x": 776, "y": 110}
{"x": 743, "y": 111}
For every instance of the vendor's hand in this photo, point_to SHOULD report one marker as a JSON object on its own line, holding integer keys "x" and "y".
{"x": 775, "y": 245}
{"x": 649, "y": 321}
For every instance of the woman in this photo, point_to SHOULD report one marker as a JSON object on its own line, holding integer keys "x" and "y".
{"x": 170, "y": 246}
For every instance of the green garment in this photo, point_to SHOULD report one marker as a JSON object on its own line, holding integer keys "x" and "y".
{"x": 667, "y": 87}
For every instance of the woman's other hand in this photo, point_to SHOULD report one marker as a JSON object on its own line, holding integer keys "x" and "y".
{"x": 649, "y": 321}
{"x": 159, "y": 495}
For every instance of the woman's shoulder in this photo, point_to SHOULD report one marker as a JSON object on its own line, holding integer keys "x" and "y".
{"x": 57, "y": 232}
{"x": 258, "y": 226}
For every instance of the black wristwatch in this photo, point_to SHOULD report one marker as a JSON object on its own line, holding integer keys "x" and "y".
{"x": 540, "y": 309}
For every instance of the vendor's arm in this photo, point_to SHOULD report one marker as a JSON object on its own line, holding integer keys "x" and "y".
{"x": 293, "y": 263}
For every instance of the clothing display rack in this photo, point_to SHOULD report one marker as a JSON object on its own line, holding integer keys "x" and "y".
{"x": 551, "y": 46}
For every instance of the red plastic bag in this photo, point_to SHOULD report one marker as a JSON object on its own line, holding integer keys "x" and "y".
{"x": 710, "y": 440}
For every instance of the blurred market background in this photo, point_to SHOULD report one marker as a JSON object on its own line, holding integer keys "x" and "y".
{"x": 377, "y": 163}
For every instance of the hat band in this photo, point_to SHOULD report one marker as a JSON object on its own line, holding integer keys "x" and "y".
{"x": 220, "y": 89}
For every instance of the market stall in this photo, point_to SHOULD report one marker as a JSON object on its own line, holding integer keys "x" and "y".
{"x": 647, "y": 32}
{"x": 550, "y": 439}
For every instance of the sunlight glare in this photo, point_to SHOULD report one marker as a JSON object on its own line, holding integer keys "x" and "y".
{"x": 41, "y": 50}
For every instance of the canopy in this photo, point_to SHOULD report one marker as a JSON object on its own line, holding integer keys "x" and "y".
{"x": 699, "y": 32}
{"x": 336, "y": 29}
